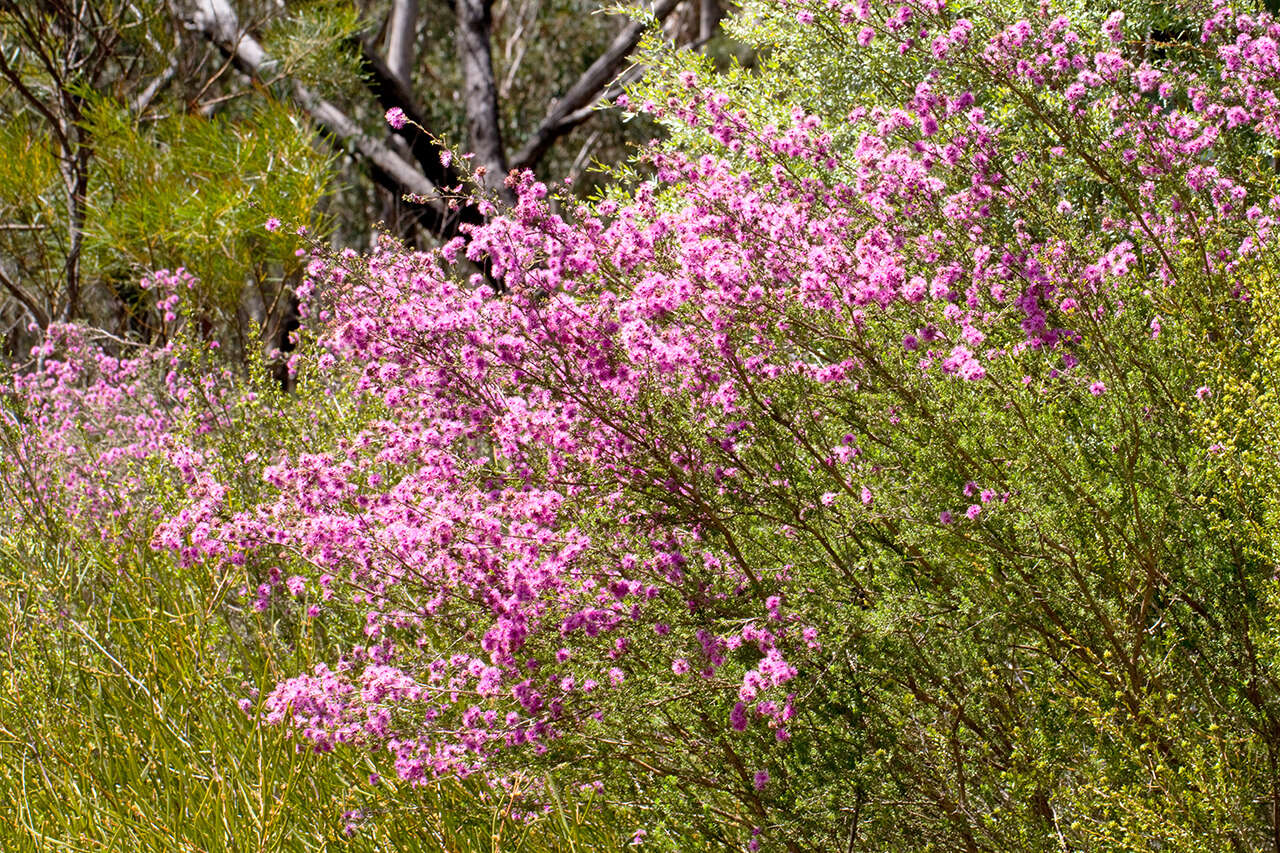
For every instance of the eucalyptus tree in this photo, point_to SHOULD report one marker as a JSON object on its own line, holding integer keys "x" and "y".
{"x": 165, "y": 133}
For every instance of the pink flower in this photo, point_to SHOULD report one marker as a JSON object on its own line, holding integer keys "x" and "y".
{"x": 1098, "y": 388}
{"x": 396, "y": 118}
{"x": 272, "y": 224}
{"x": 1202, "y": 392}
{"x": 1113, "y": 28}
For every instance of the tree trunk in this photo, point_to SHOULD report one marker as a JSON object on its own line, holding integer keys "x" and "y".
{"x": 708, "y": 20}
{"x": 480, "y": 94}
{"x": 402, "y": 31}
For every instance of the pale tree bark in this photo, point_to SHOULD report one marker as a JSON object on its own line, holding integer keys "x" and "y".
{"x": 709, "y": 15}
{"x": 401, "y": 36}
{"x": 416, "y": 167}
{"x": 480, "y": 94}
{"x": 695, "y": 23}
{"x": 390, "y": 91}
{"x": 217, "y": 21}
{"x": 402, "y": 31}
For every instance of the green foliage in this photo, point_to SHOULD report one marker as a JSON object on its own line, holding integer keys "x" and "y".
{"x": 1097, "y": 671}
{"x": 124, "y": 165}
{"x": 819, "y": 70}
{"x": 123, "y": 733}
{"x": 122, "y": 675}
{"x": 195, "y": 192}
{"x": 312, "y": 44}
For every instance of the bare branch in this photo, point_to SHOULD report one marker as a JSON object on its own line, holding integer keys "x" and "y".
{"x": 580, "y": 161}
{"x": 37, "y": 313}
{"x": 390, "y": 92}
{"x": 147, "y": 95}
{"x": 217, "y": 21}
{"x": 577, "y": 117}
{"x": 587, "y": 89}
{"x": 31, "y": 98}
{"x": 518, "y": 43}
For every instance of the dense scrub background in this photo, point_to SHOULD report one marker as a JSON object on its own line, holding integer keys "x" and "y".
{"x": 885, "y": 461}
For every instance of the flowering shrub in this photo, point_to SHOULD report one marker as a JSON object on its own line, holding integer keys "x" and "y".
{"x": 859, "y": 486}
{"x": 84, "y": 423}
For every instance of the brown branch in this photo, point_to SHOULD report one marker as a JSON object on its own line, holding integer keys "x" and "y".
{"x": 30, "y": 97}
{"x": 390, "y": 91}
{"x": 38, "y": 314}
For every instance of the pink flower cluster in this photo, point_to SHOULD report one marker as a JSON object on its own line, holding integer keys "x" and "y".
{"x": 541, "y": 481}
{"x": 638, "y": 362}
{"x": 96, "y": 423}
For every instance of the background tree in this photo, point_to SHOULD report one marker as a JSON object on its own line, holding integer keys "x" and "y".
{"x": 166, "y": 134}
{"x": 127, "y": 162}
